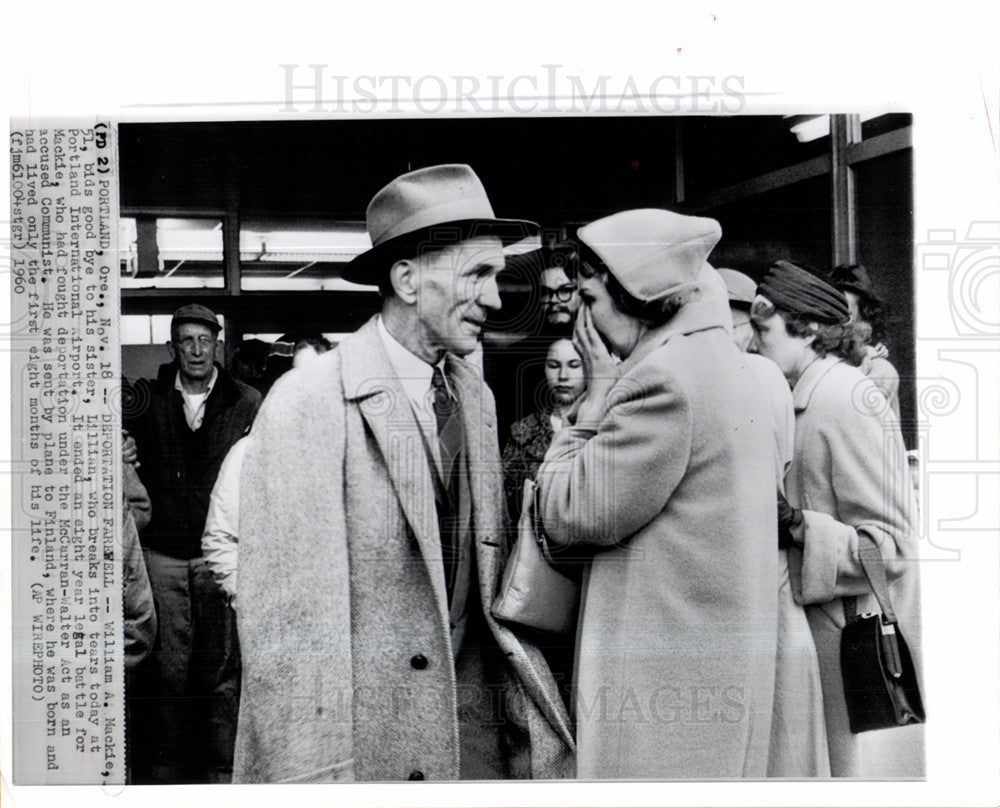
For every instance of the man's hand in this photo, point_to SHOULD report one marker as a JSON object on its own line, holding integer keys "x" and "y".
{"x": 130, "y": 453}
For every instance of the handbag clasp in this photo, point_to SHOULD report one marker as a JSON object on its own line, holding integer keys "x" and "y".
{"x": 890, "y": 648}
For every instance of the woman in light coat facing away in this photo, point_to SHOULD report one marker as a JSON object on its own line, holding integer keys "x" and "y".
{"x": 667, "y": 482}
{"x": 848, "y": 478}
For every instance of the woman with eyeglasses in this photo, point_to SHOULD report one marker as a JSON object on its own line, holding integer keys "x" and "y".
{"x": 667, "y": 482}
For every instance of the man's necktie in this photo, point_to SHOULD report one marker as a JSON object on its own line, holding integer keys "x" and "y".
{"x": 451, "y": 438}
{"x": 451, "y": 435}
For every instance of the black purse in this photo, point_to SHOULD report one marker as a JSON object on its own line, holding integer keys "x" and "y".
{"x": 880, "y": 680}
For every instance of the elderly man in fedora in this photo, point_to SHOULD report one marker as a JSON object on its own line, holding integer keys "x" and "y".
{"x": 372, "y": 531}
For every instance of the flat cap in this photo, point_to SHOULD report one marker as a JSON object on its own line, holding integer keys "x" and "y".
{"x": 196, "y": 313}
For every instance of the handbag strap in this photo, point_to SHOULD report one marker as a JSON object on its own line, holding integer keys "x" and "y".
{"x": 536, "y": 519}
{"x": 874, "y": 567}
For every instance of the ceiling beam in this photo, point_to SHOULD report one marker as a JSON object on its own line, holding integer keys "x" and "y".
{"x": 878, "y": 146}
{"x": 772, "y": 181}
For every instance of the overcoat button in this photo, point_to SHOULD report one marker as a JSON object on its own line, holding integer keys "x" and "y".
{"x": 417, "y": 775}
{"x": 419, "y": 662}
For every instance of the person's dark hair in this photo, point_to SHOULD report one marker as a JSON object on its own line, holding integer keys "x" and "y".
{"x": 317, "y": 341}
{"x": 249, "y": 359}
{"x": 654, "y": 313}
{"x": 871, "y": 310}
{"x": 837, "y": 339}
{"x": 562, "y": 255}
{"x": 282, "y": 353}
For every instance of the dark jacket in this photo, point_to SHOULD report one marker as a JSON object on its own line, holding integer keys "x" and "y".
{"x": 178, "y": 466}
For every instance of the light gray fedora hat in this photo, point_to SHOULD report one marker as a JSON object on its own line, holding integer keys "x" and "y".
{"x": 430, "y": 207}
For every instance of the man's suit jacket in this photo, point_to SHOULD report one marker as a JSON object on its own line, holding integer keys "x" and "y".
{"x": 348, "y": 670}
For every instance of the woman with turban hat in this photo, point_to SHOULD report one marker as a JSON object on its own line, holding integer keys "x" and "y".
{"x": 850, "y": 479}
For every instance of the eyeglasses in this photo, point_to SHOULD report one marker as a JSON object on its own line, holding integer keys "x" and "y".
{"x": 563, "y": 294}
{"x": 188, "y": 343}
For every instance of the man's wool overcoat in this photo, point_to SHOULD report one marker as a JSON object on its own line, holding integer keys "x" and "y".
{"x": 345, "y": 629}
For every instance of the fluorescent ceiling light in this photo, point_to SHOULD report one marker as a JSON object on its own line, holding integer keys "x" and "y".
{"x": 812, "y": 128}
{"x": 807, "y": 128}
{"x": 336, "y": 244}
{"x": 282, "y": 284}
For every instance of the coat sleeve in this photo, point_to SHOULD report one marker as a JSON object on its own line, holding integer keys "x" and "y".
{"x": 136, "y": 496}
{"x": 221, "y": 535}
{"x": 139, "y": 625}
{"x": 871, "y": 487}
{"x": 598, "y": 488}
{"x": 885, "y": 377}
{"x": 135, "y": 420}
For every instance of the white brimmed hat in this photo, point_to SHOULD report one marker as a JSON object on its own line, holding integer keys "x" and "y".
{"x": 652, "y": 253}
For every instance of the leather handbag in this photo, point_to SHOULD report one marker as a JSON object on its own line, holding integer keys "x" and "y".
{"x": 880, "y": 680}
{"x": 534, "y": 593}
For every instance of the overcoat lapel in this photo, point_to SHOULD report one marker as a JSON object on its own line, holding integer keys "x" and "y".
{"x": 370, "y": 381}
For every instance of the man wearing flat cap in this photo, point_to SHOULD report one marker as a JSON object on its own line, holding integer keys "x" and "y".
{"x": 183, "y": 705}
{"x": 371, "y": 532}
{"x": 850, "y": 478}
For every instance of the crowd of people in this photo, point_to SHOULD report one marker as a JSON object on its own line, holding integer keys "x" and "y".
{"x": 710, "y": 453}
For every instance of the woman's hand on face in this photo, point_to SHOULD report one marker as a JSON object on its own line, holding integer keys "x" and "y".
{"x": 601, "y": 367}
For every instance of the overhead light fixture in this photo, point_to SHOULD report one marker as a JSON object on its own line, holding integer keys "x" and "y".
{"x": 180, "y": 240}
{"x": 287, "y": 243}
{"x": 807, "y": 128}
